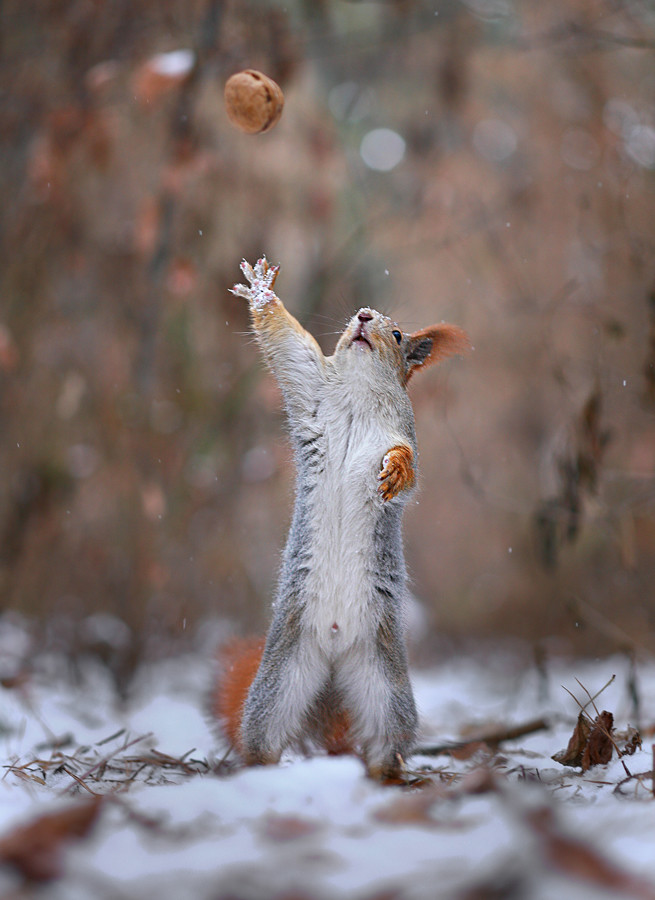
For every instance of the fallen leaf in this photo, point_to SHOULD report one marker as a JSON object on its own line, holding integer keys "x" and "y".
{"x": 591, "y": 743}
{"x": 412, "y": 809}
{"x": 463, "y": 752}
{"x": 631, "y": 741}
{"x": 572, "y": 756}
{"x": 599, "y": 746}
{"x": 36, "y": 850}
{"x": 579, "y": 860}
{"x": 288, "y": 828}
{"x": 481, "y": 780}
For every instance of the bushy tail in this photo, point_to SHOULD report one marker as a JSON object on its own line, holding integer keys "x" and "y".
{"x": 239, "y": 661}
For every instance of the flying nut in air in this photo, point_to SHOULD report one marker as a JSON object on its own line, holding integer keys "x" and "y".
{"x": 253, "y": 101}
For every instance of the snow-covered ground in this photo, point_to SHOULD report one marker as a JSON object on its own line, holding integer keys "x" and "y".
{"x": 503, "y": 821}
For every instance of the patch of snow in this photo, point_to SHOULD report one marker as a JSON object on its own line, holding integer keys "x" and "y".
{"x": 319, "y": 826}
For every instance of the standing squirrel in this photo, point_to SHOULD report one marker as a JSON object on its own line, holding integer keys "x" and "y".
{"x": 333, "y": 669}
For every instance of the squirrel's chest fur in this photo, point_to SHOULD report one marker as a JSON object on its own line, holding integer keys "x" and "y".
{"x": 344, "y": 561}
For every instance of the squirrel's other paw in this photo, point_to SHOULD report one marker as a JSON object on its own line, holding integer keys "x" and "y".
{"x": 261, "y": 279}
{"x": 397, "y": 472}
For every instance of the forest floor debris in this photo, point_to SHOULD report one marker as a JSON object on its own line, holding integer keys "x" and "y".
{"x": 494, "y": 806}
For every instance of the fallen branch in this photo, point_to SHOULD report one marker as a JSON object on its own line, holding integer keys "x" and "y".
{"x": 491, "y": 738}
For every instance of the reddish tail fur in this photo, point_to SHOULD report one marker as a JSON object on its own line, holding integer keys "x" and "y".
{"x": 239, "y": 662}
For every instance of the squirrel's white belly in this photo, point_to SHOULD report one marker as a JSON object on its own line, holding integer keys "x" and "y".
{"x": 339, "y": 587}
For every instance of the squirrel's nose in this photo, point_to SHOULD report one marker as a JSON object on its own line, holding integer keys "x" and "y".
{"x": 364, "y": 315}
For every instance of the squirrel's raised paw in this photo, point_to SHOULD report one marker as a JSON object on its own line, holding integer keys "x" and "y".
{"x": 261, "y": 279}
{"x": 397, "y": 472}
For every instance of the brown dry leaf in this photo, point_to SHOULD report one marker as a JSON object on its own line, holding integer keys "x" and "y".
{"x": 415, "y": 808}
{"x": 629, "y": 740}
{"x": 579, "y": 860}
{"x": 17, "y": 680}
{"x": 288, "y": 828}
{"x": 572, "y": 756}
{"x": 590, "y": 744}
{"x": 599, "y": 746}
{"x": 463, "y": 752}
{"x": 36, "y": 849}
{"x": 481, "y": 780}
{"x": 412, "y": 809}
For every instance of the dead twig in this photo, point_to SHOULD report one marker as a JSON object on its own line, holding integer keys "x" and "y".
{"x": 105, "y": 760}
{"x": 591, "y": 699}
{"x": 79, "y": 781}
{"x": 111, "y": 737}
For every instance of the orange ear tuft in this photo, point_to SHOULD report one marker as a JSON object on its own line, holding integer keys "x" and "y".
{"x": 431, "y": 345}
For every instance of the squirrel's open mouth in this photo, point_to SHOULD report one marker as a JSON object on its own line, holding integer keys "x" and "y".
{"x": 360, "y": 338}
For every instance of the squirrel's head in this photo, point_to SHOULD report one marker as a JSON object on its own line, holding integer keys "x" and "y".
{"x": 371, "y": 336}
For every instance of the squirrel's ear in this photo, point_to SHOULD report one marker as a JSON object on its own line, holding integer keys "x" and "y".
{"x": 431, "y": 345}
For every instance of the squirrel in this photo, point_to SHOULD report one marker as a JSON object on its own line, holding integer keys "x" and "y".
{"x": 333, "y": 669}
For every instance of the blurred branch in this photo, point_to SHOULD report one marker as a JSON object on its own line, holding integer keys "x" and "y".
{"x": 567, "y": 31}
{"x": 481, "y": 219}
{"x": 182, "y": 146}
{"x": 582, "y": 611}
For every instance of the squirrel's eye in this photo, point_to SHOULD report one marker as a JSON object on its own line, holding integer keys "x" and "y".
{"x": 398, "y": 335}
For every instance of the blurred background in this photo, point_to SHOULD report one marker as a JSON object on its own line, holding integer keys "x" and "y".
{"x": 486, "y": 162}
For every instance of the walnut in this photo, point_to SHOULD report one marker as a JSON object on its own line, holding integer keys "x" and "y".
{"x": 253, "y": 101}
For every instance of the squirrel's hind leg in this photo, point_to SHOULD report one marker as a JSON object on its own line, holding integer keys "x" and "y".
{"x": 280, "y": 698}
{"x": 383, "y": 713}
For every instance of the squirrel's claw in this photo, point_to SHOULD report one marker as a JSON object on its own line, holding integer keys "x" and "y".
{"x": 273, "y": 270}
{"x": 247, "y": 270}
{"x": 388, "y": 487}
{"x": 241, "y": 290}
{"x": 397, "y": 472}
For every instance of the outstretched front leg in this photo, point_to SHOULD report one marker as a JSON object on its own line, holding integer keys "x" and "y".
{"x": 293, "y": 354}
{"x": 397, "y": 473}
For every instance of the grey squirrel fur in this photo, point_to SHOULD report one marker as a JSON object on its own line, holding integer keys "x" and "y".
{"x": 337, "y": 635}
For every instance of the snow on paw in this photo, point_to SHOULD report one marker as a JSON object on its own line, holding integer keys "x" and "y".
{"x": 397, "y": 472}
{"x": 261, "y": 279}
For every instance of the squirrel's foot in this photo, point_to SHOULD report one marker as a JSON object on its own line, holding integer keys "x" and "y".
{"x": 260, "y": 758}
{"x": 391, "y": 772}
{"x": 261, "y": 279}
{"x": 397, "y": 472}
